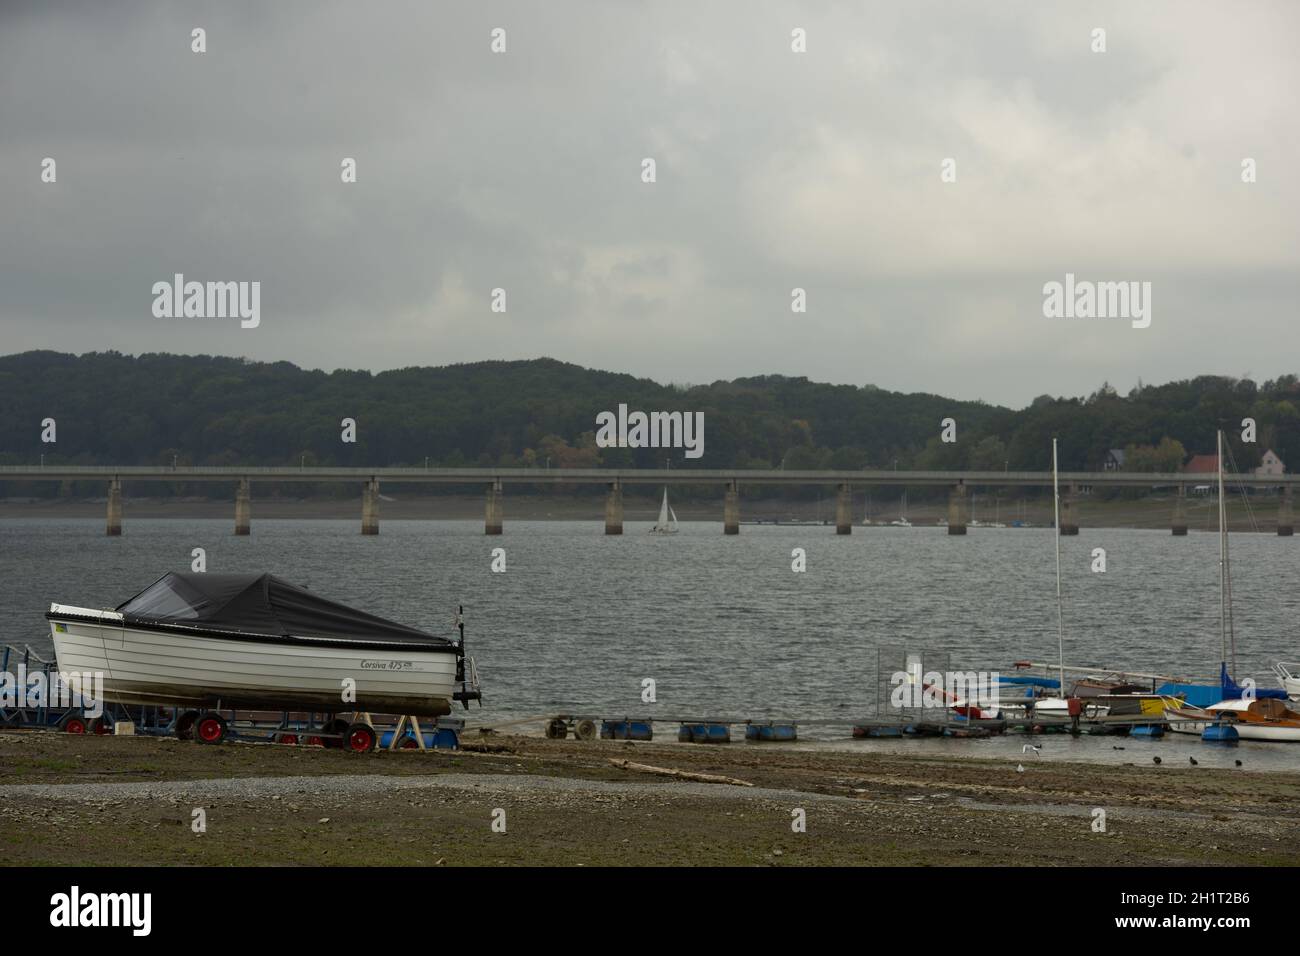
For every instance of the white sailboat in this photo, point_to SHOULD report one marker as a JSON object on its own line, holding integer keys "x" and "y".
{"x": 1058, "y": 706}
{"x": 901, "y": 521}
{"x": 667, "y": 523}
{"x": 996, "y": 523}
{"x": 1253, "y": 718}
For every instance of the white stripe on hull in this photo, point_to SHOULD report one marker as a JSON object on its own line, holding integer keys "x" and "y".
{"x": 172, "y": 667}
{"x": 1188, "y": 726}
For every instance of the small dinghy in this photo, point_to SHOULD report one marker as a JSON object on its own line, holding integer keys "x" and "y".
{"x": 254, "y": 640}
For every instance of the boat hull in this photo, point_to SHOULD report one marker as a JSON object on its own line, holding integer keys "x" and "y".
{"x": 184, "y": 669}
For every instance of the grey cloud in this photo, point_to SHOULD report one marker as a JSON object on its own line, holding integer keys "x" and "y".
{"x": 775, "y": 170}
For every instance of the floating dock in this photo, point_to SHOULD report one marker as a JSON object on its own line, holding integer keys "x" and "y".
{"x": 709, "y": 730}
{"x": 943, "y": 726}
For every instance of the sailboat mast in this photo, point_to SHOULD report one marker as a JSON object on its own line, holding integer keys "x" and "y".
{"x": 1060, "y": 612}
{"x": 1223, "y": 558}
{"x": 1225, "y": 575}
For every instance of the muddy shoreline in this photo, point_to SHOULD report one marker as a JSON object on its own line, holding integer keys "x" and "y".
{"x": 131, "y": 801}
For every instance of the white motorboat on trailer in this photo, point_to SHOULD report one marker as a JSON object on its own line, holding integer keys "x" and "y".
{"x": 254, "y": 640}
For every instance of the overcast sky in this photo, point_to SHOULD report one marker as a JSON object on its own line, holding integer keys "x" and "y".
{"x": 775, "y": 170}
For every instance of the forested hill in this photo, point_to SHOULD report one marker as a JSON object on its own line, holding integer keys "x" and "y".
{"x": 111, "y": 408}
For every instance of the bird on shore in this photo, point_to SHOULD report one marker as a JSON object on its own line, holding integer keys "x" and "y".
{"x": 1028, "y": 747}
{"x": 1113, "y": 747}
{"x": 1193, "y": 762}
{"x": 1237, "y": 762}
{"x": 1155, "y": 759}
{"x": 1020, "y": 768}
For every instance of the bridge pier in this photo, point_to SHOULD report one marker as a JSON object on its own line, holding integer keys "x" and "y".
{"x": 844, "y": 510}
{"x": 495, "y": 515}
{"x": 1069, "y": 518}
{"x": 614, "y": 509}
{"x": 1179, "y": 525}
{"x": 731, "y": 509}
{"x": 114, "y": 508}
{"x": 370, "y": 507}
{"x": 242, "y": 507}
{"x": 1285, "y": 515}
{"x": 958, "y": 509}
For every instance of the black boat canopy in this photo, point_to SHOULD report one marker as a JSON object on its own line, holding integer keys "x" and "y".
{"x": 261, "y": 605}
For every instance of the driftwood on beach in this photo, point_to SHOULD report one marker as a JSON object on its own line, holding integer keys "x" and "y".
{"x": 680, "y": 774}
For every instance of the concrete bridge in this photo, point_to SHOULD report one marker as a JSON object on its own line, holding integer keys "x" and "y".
{"x": 730, "y": 480}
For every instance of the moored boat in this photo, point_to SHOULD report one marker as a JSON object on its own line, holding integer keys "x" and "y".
{"x": 1264, "y": 718}
{"x": 1207, "y": 708}
{"x": 1289, "y": 675}
{"x": 254, "y": 640}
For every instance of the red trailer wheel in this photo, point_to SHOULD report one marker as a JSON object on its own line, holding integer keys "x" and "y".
{"x": 408, "y": 743}
{"x": 74, "y": 725}
{"x": 210, "y": 729}
{"x": 360, "y": 738}
{"x": 288, "y": 738}
{"x": 315, "y": 742}
{"x": 99, "y": 727}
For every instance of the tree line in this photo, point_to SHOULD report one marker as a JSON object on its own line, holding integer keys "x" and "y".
{"x": 111, "y": 408}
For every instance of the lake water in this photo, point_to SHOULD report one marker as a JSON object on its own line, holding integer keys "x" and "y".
{"x": 722, "y": 624}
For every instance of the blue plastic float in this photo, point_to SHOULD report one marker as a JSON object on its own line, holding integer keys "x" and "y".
{"x": 626, "y": 730}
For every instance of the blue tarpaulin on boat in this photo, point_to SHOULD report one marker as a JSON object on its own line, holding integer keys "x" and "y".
{"x": 1035, "y": 681}
{"x": 1233, "y": 691}
{"x": 1198, "y": 695}
{"x": 1204, "y": 695}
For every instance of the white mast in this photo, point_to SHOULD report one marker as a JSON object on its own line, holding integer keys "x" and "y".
{"x": 1060, "y": 613}
{"x": 1225, "y": 573}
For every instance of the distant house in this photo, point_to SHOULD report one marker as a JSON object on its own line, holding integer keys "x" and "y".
{"x": 1271, "y": 465}
{"x": 1202, "y": 465}
{"x": 1114, "y": 460}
